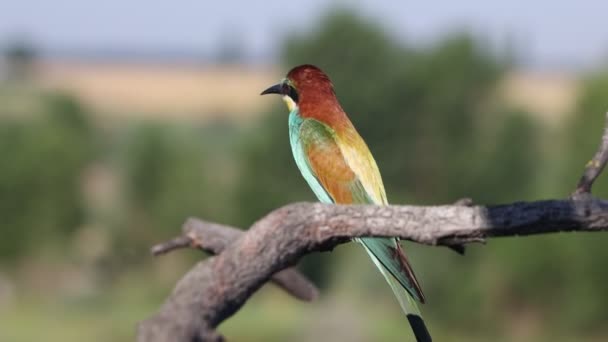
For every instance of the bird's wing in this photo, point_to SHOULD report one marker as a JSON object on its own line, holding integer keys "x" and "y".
{"x": 326, "y": 162}
{"x": 358, "y": 157}
{"x": 346, "y": 170}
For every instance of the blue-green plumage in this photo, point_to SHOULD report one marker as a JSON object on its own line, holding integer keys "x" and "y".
{"x": 295, "y": 123}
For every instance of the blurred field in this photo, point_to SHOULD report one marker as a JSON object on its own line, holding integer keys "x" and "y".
{"x": 232, "y": 92}
{"x": 550, "y": 95}
{"x": 159, "y": 90}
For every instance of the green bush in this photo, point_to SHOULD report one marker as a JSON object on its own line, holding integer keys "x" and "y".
{"x": 43, "y": 159}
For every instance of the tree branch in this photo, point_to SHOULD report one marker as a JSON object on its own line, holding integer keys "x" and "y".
{"x": 213, "y": 238}
{"x": 595, "y": 166}
{"x": 215, "y": 288}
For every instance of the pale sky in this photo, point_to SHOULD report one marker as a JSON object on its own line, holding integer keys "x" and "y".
{"x": 550, "y": 33}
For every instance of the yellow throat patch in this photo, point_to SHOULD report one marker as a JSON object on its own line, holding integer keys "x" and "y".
{"x": 291, "y": 105}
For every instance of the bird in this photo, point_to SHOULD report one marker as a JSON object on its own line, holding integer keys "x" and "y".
{"x": 339, "y": 168}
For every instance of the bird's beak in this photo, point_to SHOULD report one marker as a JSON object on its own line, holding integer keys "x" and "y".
{"x": 275, "y": 89}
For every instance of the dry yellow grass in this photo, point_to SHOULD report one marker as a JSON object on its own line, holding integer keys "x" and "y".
{"x": 204, "y": 92}
{"x": 148, "y": 90}
{"x": 550, "y": 95}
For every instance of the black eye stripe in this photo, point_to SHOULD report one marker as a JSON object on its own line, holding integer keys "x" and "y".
{"x": 291, "y": 92}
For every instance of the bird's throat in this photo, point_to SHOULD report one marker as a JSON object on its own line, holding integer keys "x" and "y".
{"x": 291, "y": 105}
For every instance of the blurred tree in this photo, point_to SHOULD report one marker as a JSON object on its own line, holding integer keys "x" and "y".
{"x": 164, "y": 182}
{"x": 574, "y": 276}
{"x": 583, "y": 130}
{"x": 172, "y": 171}
{"x": 19, "y": 57}
{"x": 43, "y": 159}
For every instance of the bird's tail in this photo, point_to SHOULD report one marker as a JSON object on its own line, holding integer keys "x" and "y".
{"x": 406, "y": 301}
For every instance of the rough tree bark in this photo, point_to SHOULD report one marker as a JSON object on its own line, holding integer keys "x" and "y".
{"x": 217, "y": 287}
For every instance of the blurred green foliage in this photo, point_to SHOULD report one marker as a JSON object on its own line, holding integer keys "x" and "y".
{"x": 170, "y": 172}
{"x": 580, "y": 272}
{"x": 432, "y": 118}
{"x": 584, "y": 127}
{"x": 43, "y": 158}
{"x": 164, "y": 180}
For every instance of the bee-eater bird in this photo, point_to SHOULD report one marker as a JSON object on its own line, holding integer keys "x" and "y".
{"x": 338, "y": 166}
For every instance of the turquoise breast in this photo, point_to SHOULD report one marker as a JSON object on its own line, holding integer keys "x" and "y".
{"x": 295, "y": 122}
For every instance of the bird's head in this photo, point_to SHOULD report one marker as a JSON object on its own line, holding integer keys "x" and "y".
{"x": 302, "y": 83}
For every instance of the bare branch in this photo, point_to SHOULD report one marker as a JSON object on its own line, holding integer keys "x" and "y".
{"x": 460, "y": 248}
{"x": 171, "y": 245}
{"x": 217, "y": 287}
{"x": 213, "y": 238}
{"x": 595, "y": 166}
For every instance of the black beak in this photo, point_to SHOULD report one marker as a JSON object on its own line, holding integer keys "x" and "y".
{"x": 275, "y": 89}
